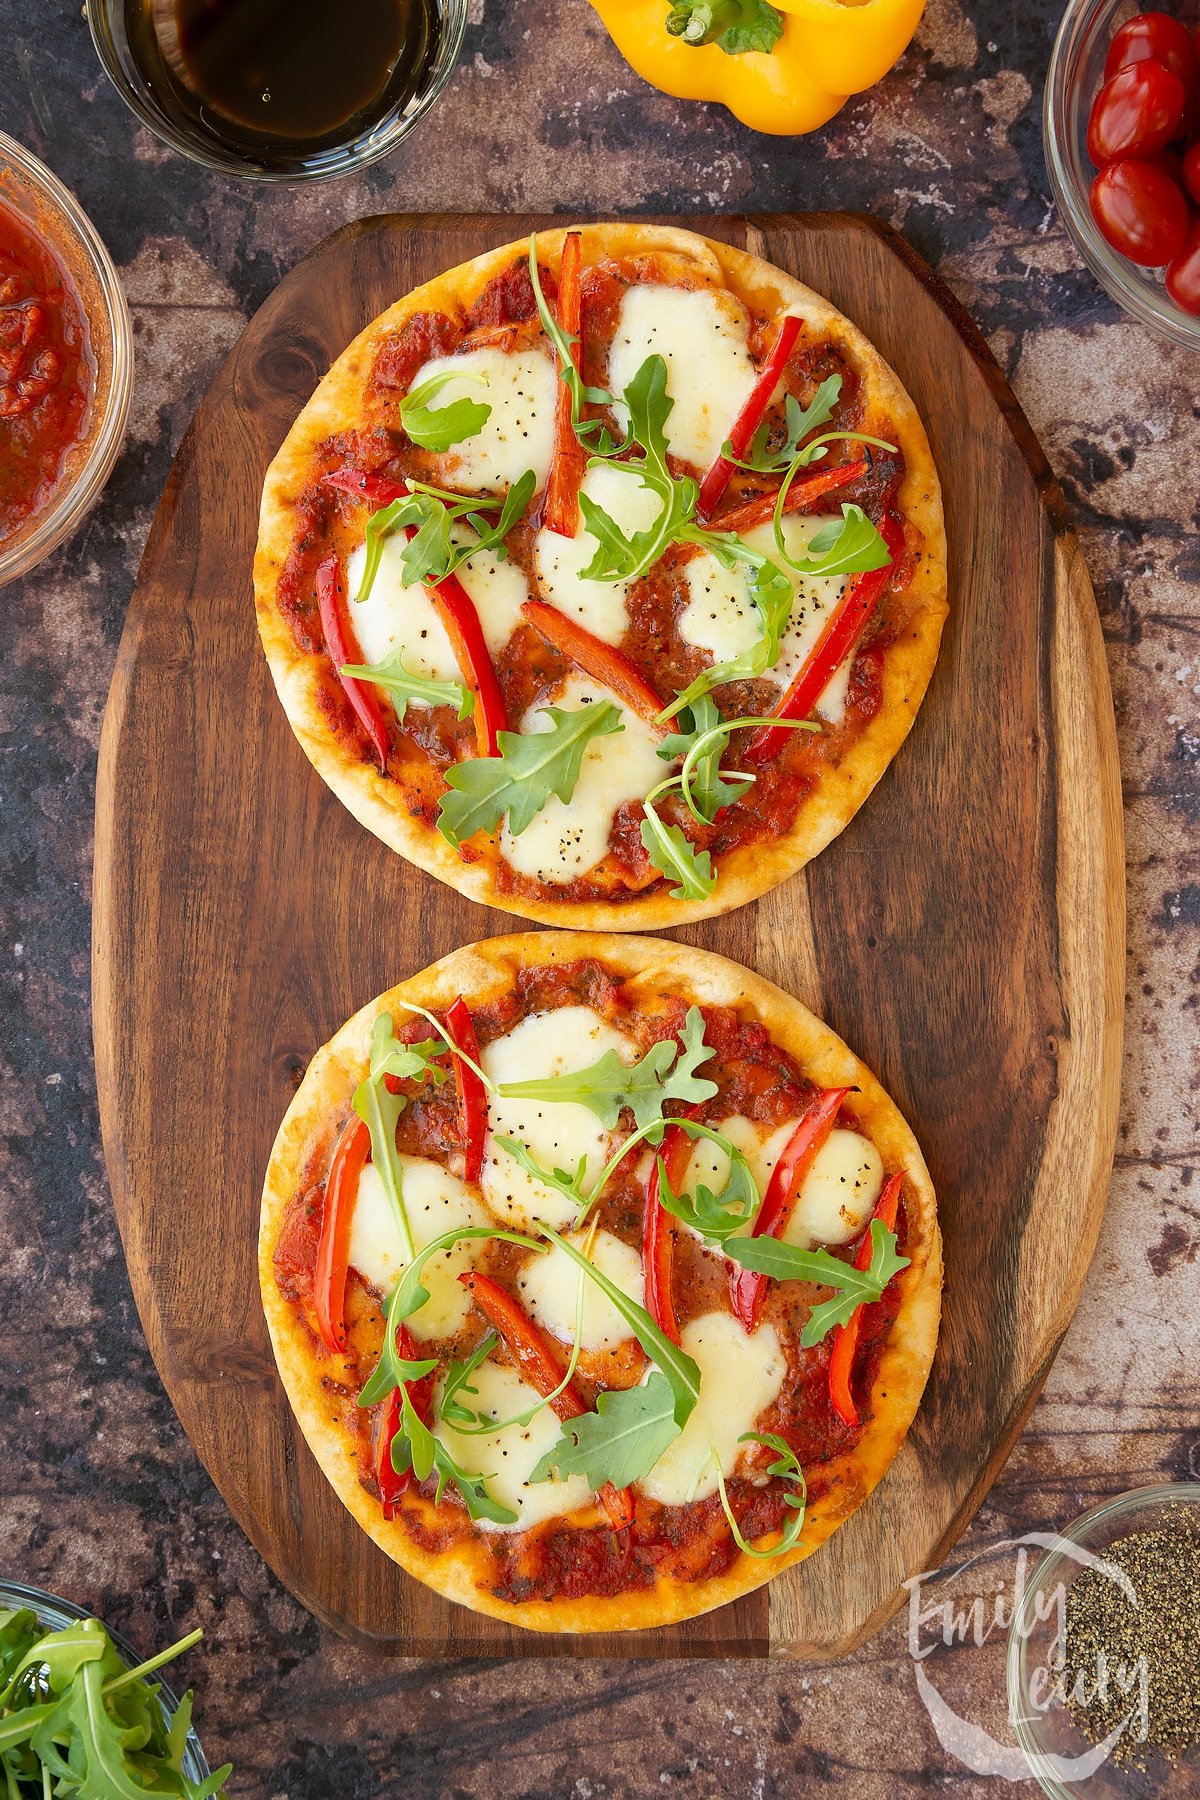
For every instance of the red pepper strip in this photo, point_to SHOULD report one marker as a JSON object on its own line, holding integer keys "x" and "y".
{"x": 561, "y": 507}
{"x": 658, "y": 1231}
{"x": 831, "y": 649}
{"x": 472, "y": 1096}
{"x": 597, "y": 659}
{"x": 802, "y": 496}
{"x": 749, "y": 419}
{"x": 393, "y": 1483}
{"x": 845, "y": 1339}
{"x": 454, "y": 607}
{"x": 376, "y": 490}
{"x": 333, "y": 1252}
{"x": 540, "y": 1368}
{"x": 343, "y": 648}
{"x": 746, "y": 1289}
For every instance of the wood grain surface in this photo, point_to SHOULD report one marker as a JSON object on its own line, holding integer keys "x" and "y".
{"x": 965, "y": 935}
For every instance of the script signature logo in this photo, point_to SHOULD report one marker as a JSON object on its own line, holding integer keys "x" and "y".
{"x": 949, "y": 1623}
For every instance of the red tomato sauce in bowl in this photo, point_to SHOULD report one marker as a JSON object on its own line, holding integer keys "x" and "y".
{"x": 47, "y": 371}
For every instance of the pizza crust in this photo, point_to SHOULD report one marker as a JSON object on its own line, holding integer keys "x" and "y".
{"x": 748, "y": 871}
{"x": 480, "y": 972}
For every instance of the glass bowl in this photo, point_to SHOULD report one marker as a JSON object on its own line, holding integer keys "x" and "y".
{"x": 1057, "y": 1750}
{"x": 54, "y": 1613}
{"x": 1072, "y": 81}
{"x": 57, "y": 217}
{"x": 200, "y": 138}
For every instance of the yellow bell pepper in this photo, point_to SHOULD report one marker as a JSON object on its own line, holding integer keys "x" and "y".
{"x": 784, "y": 67}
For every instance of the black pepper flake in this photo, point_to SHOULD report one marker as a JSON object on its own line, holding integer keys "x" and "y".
{"x": 1149, "y": 1652}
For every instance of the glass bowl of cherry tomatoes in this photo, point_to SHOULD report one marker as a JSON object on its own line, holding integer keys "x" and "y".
{"x": 1122, "y": 135}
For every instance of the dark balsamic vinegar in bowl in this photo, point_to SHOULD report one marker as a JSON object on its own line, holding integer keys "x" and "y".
{"x": 279, "y": 88}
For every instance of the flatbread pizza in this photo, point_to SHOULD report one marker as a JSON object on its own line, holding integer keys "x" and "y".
{"x": 603, "y": 1279}
{"x": 603, "y": 575}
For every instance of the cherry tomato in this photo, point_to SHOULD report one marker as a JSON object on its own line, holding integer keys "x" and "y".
{"x": 1140, "y": 212}
{"x": 1153, "y": 37}
{"x": 1191, "y": 171}
{"x": 1157, "y": 37}
{"x": 1183, "y": 272}
{"x": 1136, "y": 113}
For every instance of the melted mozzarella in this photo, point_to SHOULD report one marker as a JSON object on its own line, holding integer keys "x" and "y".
{"x": 839, "y": 1194}
{"x": 701, "y": 334}
{"x": 395, "y": 616}
{"x": 549, "y": 1287}
{"x": 435, "y": 1203}
{"x": 505, "y": 1458}
{"x": 520, "y": 387}
{"x": 721, "y": 618}
{"x": 557, "y": 1133}
{"x": 566, "y": 839}
{"x": 560, "y": 561}
{"x": 740, "y": 1376}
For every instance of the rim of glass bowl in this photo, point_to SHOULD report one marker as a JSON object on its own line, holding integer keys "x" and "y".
{"x": 83, "y": 486}
{"x": 1085, "y": 1530}
{"x": 325, "y": 165}
{"x": 52, "y": 1610}
{"x": 1071, "y": 181}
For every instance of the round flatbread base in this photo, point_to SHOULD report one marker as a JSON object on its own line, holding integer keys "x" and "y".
{"x": 481, "y": 972}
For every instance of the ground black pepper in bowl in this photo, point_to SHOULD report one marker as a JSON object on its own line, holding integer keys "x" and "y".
{"x": 1145, "y": 1656}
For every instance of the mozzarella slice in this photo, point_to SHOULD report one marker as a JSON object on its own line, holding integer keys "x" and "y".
{"x": 557, "y": 1133}
{"x": 566, "y": 839}
{"x": 709, "y": 1164}
{"x": 740, "y": 1376}
{"x": 721, "y": 618}
{"x": 398, "y": 617}
{"x": 435, "y": 1202}
{"x": 549, "y": 1287}
{"x": 505, "y": 1458}
{"x": 520, "y": 387}
{"x": 701, "y": 334}
{"x": 839, "y": 1194}
{"x": 559, "y": 562}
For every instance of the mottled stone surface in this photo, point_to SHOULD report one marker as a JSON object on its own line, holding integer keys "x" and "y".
{"x": 102, "y": 1497}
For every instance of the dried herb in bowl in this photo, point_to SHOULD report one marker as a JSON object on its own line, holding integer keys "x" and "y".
{"x": 75, "y": 1720}
{"x": 1134, "y": 1650}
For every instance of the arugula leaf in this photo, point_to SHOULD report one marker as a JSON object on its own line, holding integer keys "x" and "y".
{"x": 800, "y": 421}
{"x": 530, "y": 767}
{"x": 432, "y": 553}
{"x": 772, "y": 594}
{"x": 408, "y": 1062}
{"x": 393, "y": 1370}
{"x": 673, "y": 855}
{"x": 619, "y": 557}
{"x": 458, "y": 1378}
{"x": 436, "y": 428}
{"x": 850, "y": 547}
{"x": 787, "y": 1468}
{"x": 682, "y": 1373}
{"x": 715, "y": 1216}
{"x": 570, "y": 1186}
{"x": 853, "y": 1287}
{"x": 702, "y": 740}
{"x": 380, "y": 1111}
{"x": 478, "y": 1501}
{"x": 403, "y": 686}
{"x": 607, "y": 1086}
{"x": 620, "y": 1442}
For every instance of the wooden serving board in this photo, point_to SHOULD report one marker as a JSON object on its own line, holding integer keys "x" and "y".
{"x": 965, "y": 935}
